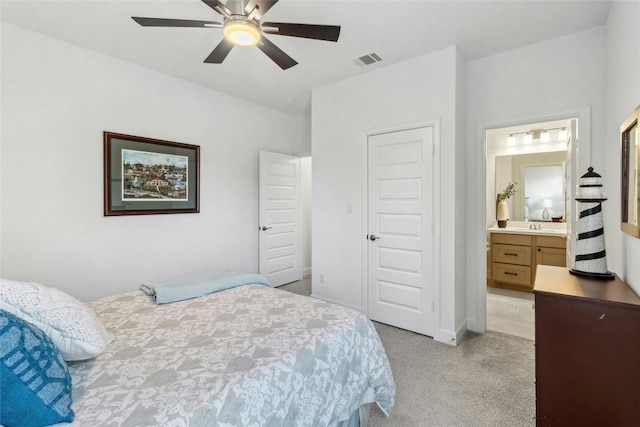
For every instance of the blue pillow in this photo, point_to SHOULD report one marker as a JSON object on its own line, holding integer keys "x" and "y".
{"x": 35, "y": 388}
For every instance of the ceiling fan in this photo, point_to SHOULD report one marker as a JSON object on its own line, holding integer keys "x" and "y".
{"x": 242, "y": 27}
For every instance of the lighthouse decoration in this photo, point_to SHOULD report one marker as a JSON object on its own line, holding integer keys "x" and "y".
{"x": 591, "y": 260}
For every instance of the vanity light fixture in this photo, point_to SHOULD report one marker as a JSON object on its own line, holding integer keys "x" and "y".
{"x": 544, "y": 136}
{"x": 562, "y": 134}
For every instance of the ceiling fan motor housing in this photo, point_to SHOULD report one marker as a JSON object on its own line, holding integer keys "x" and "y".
{"x": 241, "y": 31}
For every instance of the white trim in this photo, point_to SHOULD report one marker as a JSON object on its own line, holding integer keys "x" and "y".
{"x": 435, "y": 290}
{"x": 476, "y": 280}
{"x": 450, "y": 337}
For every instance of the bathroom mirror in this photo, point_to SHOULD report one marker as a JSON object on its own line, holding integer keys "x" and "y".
{"x": 540, "y": 189}
{"x": 630, "y": 175}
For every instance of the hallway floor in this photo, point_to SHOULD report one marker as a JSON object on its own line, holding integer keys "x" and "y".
{"x": 510, "y": 312}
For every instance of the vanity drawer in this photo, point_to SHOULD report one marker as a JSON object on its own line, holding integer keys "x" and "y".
{"x": 511, "y": 239}
{"x": 516, "y": 274}
{"x": 511, "y": 254}
{"x": 551, "y": 241}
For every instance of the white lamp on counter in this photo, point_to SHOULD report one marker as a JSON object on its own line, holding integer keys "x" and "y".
{"x": 546, "y": 203}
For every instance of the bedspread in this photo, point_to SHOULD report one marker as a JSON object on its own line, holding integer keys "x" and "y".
{"x": 251, "y": 355}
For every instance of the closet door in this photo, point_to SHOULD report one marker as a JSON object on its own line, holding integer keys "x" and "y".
{"x": 400, "y": 221}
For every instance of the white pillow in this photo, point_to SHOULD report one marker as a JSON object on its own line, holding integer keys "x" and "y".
{"x": 72, "y": 326}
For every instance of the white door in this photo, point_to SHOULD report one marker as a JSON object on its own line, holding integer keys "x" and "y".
{"x": 400, "y": 268}
{"x": 280, "y": 249}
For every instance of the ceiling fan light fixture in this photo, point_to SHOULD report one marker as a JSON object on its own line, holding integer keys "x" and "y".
{"x": 241, "y": 32}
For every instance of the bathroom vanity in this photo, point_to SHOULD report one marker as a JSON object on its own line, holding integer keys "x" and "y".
{"x": 514, "y": 254}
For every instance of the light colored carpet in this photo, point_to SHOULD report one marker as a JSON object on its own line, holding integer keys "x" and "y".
{"x": 487, "y": 380}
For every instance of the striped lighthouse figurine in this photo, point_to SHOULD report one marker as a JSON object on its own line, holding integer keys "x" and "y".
{"x": 591, "y": 260}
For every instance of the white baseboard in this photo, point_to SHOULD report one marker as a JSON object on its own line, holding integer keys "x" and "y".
{"x": 451, "y": 337}
{"x": 306, "y": 272}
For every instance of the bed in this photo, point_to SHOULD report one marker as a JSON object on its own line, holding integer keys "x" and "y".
{"x": 251, "y": 355}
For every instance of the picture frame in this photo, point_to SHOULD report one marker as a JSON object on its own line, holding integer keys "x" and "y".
{"x": 630, "y": 174}
{"x": 145, "y": 176}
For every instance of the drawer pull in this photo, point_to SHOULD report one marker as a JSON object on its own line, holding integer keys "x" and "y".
{"x": 510, "y": 273}
{"x": 510, "y": 254}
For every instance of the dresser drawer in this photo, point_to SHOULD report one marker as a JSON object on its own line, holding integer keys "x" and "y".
{"x": 511, "y": 254}
{"x": 508, "y": 273}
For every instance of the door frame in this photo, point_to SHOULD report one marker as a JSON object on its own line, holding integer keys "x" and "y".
{"x": 477, "y": 269}
{"x": 364, "y": 247}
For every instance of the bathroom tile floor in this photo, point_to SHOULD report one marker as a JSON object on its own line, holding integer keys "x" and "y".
{"x": 510, "y": 312}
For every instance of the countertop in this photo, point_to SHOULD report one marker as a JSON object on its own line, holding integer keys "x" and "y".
{"x": 560, "y": 232}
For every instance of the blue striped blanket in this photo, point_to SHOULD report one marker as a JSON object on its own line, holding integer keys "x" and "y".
{"x": 199, "y": 284}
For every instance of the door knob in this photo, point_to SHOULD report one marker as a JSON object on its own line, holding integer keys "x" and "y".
{"x": 373, "y": 237}
{"x": 264, "y": 228}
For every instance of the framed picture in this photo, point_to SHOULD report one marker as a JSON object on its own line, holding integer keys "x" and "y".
{"x": 630, "y": 174}
{"x": 145, "y": 176}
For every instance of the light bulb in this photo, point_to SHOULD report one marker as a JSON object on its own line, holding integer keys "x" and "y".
{"x": 544, "y": 136}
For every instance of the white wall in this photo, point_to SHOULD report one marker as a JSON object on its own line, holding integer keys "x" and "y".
{"x": 623, "y": 96}
{"x": 534, "y": 81}
{"x": 306, "y": 213}
{"x": 413, "y": 91}
{"x": 57, "y": 99}
{"x": 459, "y": 303}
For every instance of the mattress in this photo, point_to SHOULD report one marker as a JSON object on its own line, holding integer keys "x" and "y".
{"x": 247, "y": 356}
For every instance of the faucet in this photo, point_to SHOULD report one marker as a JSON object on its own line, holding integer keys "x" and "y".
{"x": 534, "y": 226}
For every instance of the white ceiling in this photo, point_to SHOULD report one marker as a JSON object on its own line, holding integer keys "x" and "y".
{"x": 396, "y": 30}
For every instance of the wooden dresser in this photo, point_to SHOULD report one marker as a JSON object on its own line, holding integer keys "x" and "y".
{"x": 587, "y": 350}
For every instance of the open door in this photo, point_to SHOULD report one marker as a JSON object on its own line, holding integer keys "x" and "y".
{"x": 279, "y": 228}
{"x": 571, "y": 178}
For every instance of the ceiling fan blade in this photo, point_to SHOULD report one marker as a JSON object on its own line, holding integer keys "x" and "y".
{"x": 220, "y": 52}
{"x": 276, "y": 54}
{"x": 262, "y": 5}
{"x": 307, "y": 31}
{"x": 162, "y": 22}
{"x": 219, "y": 7}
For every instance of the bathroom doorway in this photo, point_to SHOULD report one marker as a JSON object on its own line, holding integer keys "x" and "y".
{"x": 529, "y": 156}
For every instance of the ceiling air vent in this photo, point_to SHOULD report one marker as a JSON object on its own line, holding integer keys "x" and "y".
{"x": 372, "y": 58}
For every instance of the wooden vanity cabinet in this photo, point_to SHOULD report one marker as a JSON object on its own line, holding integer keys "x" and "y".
{"x": 511, "y": 260}
{"x": 514, "y": 258}
{"x": 550, "y": 250}
{"x": 587, "y": 345}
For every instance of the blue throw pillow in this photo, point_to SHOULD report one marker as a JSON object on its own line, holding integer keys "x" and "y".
{"x": 35, "y": 387}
